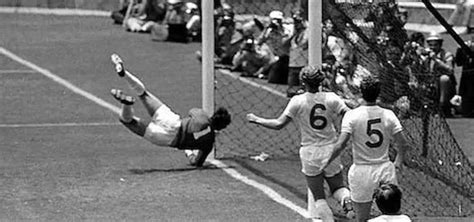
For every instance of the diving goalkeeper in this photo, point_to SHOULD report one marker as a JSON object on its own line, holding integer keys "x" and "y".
{"x": 195, "y": 133}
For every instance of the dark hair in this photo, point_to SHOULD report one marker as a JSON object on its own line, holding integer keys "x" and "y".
{"x": 312, "y": 76}
{"x": 388, "y": 198}
{"x": 417, "y": 36}
{"x": 220, "y": 119}
{"x": 370, "y": 88}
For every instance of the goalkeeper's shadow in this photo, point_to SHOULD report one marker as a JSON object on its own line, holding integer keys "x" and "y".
{"x": 170, "y": 170}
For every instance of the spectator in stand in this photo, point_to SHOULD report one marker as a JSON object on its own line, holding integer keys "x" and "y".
{"x": 440, "y": 64}
{"x": 388, "y": 198}
{"x": 193, "y": 24}
{"x": 176, "y": 20}
{"x": 395, "y": 79}
{"x": 466, "y": 85}
{"x": 275, "y": 36}
{"x": 413, "y": 49}
{"x": 249, "y": 60}
{"x": 141, "y": 17}
{"x": 228, "y": 38}
{"x": 298, "y": 52}
{"x": 119, "y": 15}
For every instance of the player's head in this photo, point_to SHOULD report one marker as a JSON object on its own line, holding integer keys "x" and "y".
{"x": 388, "y": 198}
{"x": 220, "y": 119}
{"x": 312, "y": 77}
{"x": 370, "y": 88}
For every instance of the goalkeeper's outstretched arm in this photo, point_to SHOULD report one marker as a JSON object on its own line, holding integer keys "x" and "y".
{"x": 275, "y": 124}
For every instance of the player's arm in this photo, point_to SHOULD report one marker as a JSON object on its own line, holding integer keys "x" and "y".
{"x": 340, "y": 145}
{"x": 402, "y": 148}
{"x": 275, "y": 124}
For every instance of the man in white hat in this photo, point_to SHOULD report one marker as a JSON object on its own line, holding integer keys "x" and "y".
{"x": 440, "y": 64}
{"x": 275, "y": 36}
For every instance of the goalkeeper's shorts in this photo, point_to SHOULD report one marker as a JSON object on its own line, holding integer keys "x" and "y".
{"x": 364, "y": 179}
{"x": 163, "y": 127}
{"x": 314, "y": 158}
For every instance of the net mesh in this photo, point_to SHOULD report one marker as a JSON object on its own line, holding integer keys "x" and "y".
{"x": 438, "y": 178}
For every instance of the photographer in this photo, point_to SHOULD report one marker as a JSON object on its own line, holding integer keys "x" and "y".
{"x": 276, "y": 38}
{"x": 298, "y": 52}
{"x": 440, "y": 64}
{"x": 466, "y": 89}
{"x": 228, "y": 39}
{"x": 248, "y": 60}
{"x": 339, "y": 81}
{"x": 413, "y": 51}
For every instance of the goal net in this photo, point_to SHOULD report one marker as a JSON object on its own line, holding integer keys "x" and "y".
{"x": 364, "y": 38}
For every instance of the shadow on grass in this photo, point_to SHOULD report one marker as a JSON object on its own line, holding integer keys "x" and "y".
{"x": 170, "y": 170}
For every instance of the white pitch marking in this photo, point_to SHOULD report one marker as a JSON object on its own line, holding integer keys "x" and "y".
{"x": 30, "y": 125}
{"x": 17, "y": 71}
{"x": 265, "y": 189}
{"x": 272, "y": 194}
{"x": 57, "y": 11}
{"x": 60, "y": 80}
{"x": 252, "y": 83}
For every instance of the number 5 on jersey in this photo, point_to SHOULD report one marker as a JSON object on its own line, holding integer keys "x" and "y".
{"x": 371, "y": 131}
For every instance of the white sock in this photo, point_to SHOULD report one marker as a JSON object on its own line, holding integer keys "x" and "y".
{"x": 323, "y": 211}
{"x": 134, "y": 83}
{"x": 319, "y": 209}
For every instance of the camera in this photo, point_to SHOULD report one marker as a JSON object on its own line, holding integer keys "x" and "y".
{"x": 326, "y": 67}
{"x": 248, "y": 45}
{"x": 425, "y": 51}
{"x": 227, "y": 21}
{"x": 273, "y": 25}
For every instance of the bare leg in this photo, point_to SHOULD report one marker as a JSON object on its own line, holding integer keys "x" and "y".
{"x": 134, "y": 83}
{"x": 151, "y": 102}
{"x": 127, "y": 116}
{"x": 340, "y": 191}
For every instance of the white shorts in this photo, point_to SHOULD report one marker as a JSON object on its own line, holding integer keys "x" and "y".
{"x": 163, "y": 127}
{"x": 364, "y": 179}
{"x": 314, "y": 158}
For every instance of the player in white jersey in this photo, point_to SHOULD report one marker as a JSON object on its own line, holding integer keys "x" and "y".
{"x": 371, "y": 129}
{"x": 316, "y": 114}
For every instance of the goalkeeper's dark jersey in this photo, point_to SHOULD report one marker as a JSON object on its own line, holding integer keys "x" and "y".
{"x": 195, "y": 132}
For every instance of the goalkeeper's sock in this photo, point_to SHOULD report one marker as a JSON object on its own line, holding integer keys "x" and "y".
{"x": 134, "y": 83}
{"x": 127, "y": 113}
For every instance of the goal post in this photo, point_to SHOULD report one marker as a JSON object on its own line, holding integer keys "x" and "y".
{"x": 207, "y": 65}
{"x": 315, "y": 19}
